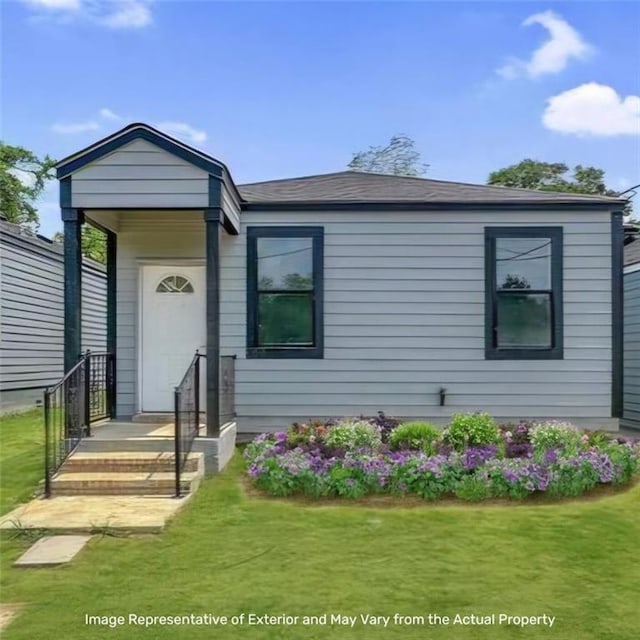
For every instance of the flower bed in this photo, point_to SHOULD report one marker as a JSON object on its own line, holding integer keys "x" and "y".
{"x": 472, "y": 458}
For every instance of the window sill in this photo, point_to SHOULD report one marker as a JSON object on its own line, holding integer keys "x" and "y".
{"x": 524, "y": 354}
{"x": 278, "y": 353}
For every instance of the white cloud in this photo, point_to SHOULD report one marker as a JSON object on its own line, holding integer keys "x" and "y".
{"x": 183, "y": 131}
{"x": 564, "y": 44}
{"x": 113, "y": 14}
{"x": 66, "y": 5}
{"x": 129, "y": 14}
{"x": 593, "y": 109}
{"x": 107, "y": 114}
{"x": 75, "y": 127}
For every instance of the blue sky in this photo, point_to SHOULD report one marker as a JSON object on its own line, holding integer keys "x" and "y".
{"x": 295, "y": 88}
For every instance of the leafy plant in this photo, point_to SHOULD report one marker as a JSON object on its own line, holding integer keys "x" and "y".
{"x": 471, "y": 429}
{"x": 554, "y": 435}
{"x": 353, "y": 434}
{"x": 473, "y": 489}
{"x": 420, "y": 436}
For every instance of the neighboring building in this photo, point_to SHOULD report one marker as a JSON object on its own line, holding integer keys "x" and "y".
{"x": 348, "y": 293}
{"x": 32, "y": 317}
{"x": 631, "y": 414}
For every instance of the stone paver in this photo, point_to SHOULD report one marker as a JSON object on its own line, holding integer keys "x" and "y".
{"x": 138, "y": 514}
{"x": 52, "y": 550}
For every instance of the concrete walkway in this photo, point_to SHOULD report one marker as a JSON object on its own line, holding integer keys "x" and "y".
{"x": 135, "y": 514}
{"x": 51, "y": 551}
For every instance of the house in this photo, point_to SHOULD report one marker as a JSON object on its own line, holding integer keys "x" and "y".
{"x": 31, "y": 314}
{"x": 345, "y": 293}
{"x": 631, "y": 412}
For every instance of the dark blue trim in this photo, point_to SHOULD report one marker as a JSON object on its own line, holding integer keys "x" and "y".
{"x": 617, "y": 315}
{"x": 65, "y": 193}
{"x": 212, "y": 242}
{"x": 138, "y": 132}
{"x": 72, "y": 288}
{"x": 215, "y": 191}
{"x": 317, "y": 350}
{"x": 425, "y": 206}
{"x": 69, "y": 214}
{"x": 492, "y": 352}
{"x": 112, "y": 335}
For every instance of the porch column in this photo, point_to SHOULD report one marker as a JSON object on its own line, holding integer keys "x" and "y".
{"x": 111, "y": 315}
{"x": 212, "y": 236}
{"x": 72, "y": 219}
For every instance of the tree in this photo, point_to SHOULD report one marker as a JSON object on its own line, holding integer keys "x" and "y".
{"x": 398, "y": 158}
{"x": 552, "y": 176}
{"x": 22, "y": 179}
{"x": 94, "y": 243}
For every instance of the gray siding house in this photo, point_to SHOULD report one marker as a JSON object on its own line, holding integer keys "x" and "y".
{"x": 32, "y": 316}
{"x": 631, "y": 416}
{"x": 346, "y": 293}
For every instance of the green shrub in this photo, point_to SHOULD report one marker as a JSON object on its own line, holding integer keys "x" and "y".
{"x": 415, "y": 435}
{"x": 471, "y": 429}
{"x": 353, "y": 434}
{"x": 473, "y": 489}
{"x": 554, "y": 435}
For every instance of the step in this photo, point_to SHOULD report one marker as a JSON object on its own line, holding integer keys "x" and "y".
{"x": 127, "y": 461}
{"x": 122, "y": 483}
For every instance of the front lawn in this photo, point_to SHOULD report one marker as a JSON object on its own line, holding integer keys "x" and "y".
{"x": 21, "y": 457}
{"x": 228, "y": 553}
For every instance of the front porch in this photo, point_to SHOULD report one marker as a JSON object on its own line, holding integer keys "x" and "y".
{"x": 164, "y": 209}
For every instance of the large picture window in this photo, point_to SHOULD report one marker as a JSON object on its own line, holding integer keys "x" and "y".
{"x": 284, "y": 292}
{"x": 523, "y": 293}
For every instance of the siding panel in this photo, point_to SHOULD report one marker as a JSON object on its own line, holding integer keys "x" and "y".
{"x": 404, "y": 315}
{"x": 631, "y": 387}
{"x": 140, "y": 175}
{"x": 32, "y": 310}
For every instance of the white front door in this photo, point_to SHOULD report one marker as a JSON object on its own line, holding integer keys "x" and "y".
{"x": 173, "y": 326}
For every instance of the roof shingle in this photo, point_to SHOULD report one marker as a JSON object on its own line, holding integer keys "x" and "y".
{"x": 353, "y": 186}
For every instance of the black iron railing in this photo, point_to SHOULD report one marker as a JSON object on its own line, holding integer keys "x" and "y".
{"x": 227, "y": 389}
{"x": 187, "y": 416}
{"x": 83, "y": 396}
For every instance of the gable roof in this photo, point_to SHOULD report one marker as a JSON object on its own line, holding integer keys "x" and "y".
{"x": 359, "y": 187}
{"x": 137, "y": 131}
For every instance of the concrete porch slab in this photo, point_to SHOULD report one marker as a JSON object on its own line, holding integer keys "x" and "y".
{"x": 52, "y": 550}
{"x": 85, "y": 514}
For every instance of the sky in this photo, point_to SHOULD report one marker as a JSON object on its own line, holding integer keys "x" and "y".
{"x": 285, "y": 89}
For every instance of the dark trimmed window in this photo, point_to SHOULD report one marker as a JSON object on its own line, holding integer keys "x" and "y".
{"x": 523, "y": 293}
{"x": 285, "y": 292}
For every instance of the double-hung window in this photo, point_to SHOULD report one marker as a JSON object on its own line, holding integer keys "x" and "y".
{"x": 523, "y": 293}
{"x": 285, "y": 292}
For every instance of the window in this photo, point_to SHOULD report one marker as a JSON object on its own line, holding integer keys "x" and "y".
{"x": 174, "y": 284}
{"x": 284, "y": 292}
{"x": 523, "y": 293}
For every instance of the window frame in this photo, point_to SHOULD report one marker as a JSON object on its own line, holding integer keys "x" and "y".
{"x": 317, "y": 235}
{"x": 492, "y": 351}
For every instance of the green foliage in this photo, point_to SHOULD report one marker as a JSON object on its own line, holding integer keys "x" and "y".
{"x": 471, "y": 429}
{"x": 23, "y": 176}
{"x": 353, "y": 434}
{"x": 415, "y": 435}
{"x": 94, "y": 243}
{"x": 398, "y": 158}
{"x": 473, "y": 489}
{"x": 554, "y": 435}
{"x": 552, "y": 176}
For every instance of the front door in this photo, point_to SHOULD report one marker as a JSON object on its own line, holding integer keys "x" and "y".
{"x": 173, "y": 326}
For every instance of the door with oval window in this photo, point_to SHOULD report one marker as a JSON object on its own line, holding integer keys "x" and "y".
{"x": 173, "y": 326}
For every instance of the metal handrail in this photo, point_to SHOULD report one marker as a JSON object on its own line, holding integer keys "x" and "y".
{"x": 186, "y": 416}
{"x": 83, "y": 395}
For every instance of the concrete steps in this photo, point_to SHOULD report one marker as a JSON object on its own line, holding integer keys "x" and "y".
{"x": 125, "y": 473}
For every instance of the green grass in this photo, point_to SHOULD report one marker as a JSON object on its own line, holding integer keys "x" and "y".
{"x": 21, "y": 457}
{"x": 227, "y": 553}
